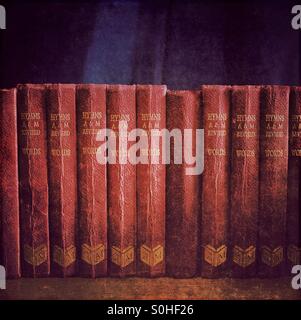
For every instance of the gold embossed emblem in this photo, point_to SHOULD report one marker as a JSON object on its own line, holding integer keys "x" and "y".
{"x": 93, "y": 255}
{"x": 64, "y": 258}
{"x": 215, "y": 257}
{"x": 294, "y": 254}
{"x": 270, "y": 257}
{"x": 35, "y": 256}
{"x": 151, "y": 257}
{"x": 244, "y": 257}
{"x": 122, "y": 257}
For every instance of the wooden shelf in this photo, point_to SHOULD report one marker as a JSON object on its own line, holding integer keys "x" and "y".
{"x": 141, "y": 288}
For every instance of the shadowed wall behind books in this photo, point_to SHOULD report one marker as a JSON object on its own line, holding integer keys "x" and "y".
{"x": 179, "y": 43}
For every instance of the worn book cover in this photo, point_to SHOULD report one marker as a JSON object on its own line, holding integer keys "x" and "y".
{"x": 33, "y": 175}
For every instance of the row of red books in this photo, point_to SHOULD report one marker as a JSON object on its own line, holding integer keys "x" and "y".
{"x": 65, "y": 214}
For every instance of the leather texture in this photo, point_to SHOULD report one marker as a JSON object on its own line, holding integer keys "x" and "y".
{"x": 9, "y": 194}
{"x": 61, "y": 124}
{"x": 294, "y": 179}
{"x": 92, "y": 181}
{"x": 245, "y": 123}
{"x": 33, "y": 183}
{"x": 121, "y": 105}
{"x": 182, "y": 191}
{"x": 216, "y": 177}
{"x": 273, "y": 179}
{"x": 151, "y": 114}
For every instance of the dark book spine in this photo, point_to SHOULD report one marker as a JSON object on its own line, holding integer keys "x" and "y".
{"x": 9, "y": 194}
{"x": 182, "y": 190}
{"x": 244, "y": 179}
{"x": 121, "y": 106}
{"x": 273, "y": 179}
{"x": 216, "y": 178}
{"x": 151, "y": 114}
{"x": 33, "y": 176}
{"x": 61, "y": 124}
{"x": 92, "y": 181}
{"x": 294, "y": 181}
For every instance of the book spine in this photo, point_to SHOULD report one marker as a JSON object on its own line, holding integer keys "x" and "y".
{"x": 151, "y": 114}
{"x": 183, "y": 190}
{"x": 294, "y": 181}
{"x": 273, "y": 179}
{"x": 216, "y": 177}
{"x": 9, "y": 194}
{"x": 121, "y": 107}
{"x": 92, "y": 181}
{"x": 33, "y": 181}
{"x": 62, "y": 177}
{"x": 244, "y": 179}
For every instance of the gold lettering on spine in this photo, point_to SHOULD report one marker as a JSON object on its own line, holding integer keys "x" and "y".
{"x": 60, "y": 124}
{"x": 295, "y": 133}
{"x": 30, "y": 124}
{"x": 90, "y": 122}
{"x": 245, "y": 126}
{"x": 217, "y": 128}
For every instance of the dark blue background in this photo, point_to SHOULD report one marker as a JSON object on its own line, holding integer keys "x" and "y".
{"x": 180, "y": 43}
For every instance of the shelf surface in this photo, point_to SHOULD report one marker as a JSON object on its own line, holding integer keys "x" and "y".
{"x": 142, "y": 288}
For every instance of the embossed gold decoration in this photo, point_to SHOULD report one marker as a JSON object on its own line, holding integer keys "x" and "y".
{"x": 123, "y": 257}
{"x": 64, "y": 258}
{"x": 270, "y": 257}
{"x": 244, "y": 257}
{"x": 93, "y": 255}
{"x": 215, "y": 257}
{"x": 294, "y": 254}
{"x": 35, "y": 256}
{"x": 153, "y": 256}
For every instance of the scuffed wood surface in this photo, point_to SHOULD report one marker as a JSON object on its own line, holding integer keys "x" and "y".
{"x": 159, "y": 288}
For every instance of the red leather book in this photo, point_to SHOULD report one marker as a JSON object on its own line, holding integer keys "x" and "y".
{"x": 121, "y": 106}
{"x": 294, "y": 181}
{"x": 273, "y": 179}
{"x": 216, "y": 178}
{"x": 182, "y": 191}
{"x": 61, "y": 123}
{"x": 151, "y": 114}
{"x": 244, "y": 179}
{"x": 92, "y": 181}
{"x": 9, "y": 194}
{"x": 33, "y": 176}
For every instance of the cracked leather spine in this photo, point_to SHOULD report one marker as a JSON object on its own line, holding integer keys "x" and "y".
{"x": 92, "y": 181}
{"x": 151, "y": 114}
{"x": 245, "y": 103}
{"x": 216, "y": 180}
{"x": 33, "y": 175}
{"x": 273, "y": 179}
{"x": 9, "y": 193}
{"x": 121, "y": 113}
{"x": 62, "y": 172}
{"x": 182, "y": 190}
{"x": 294, "y": 181}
